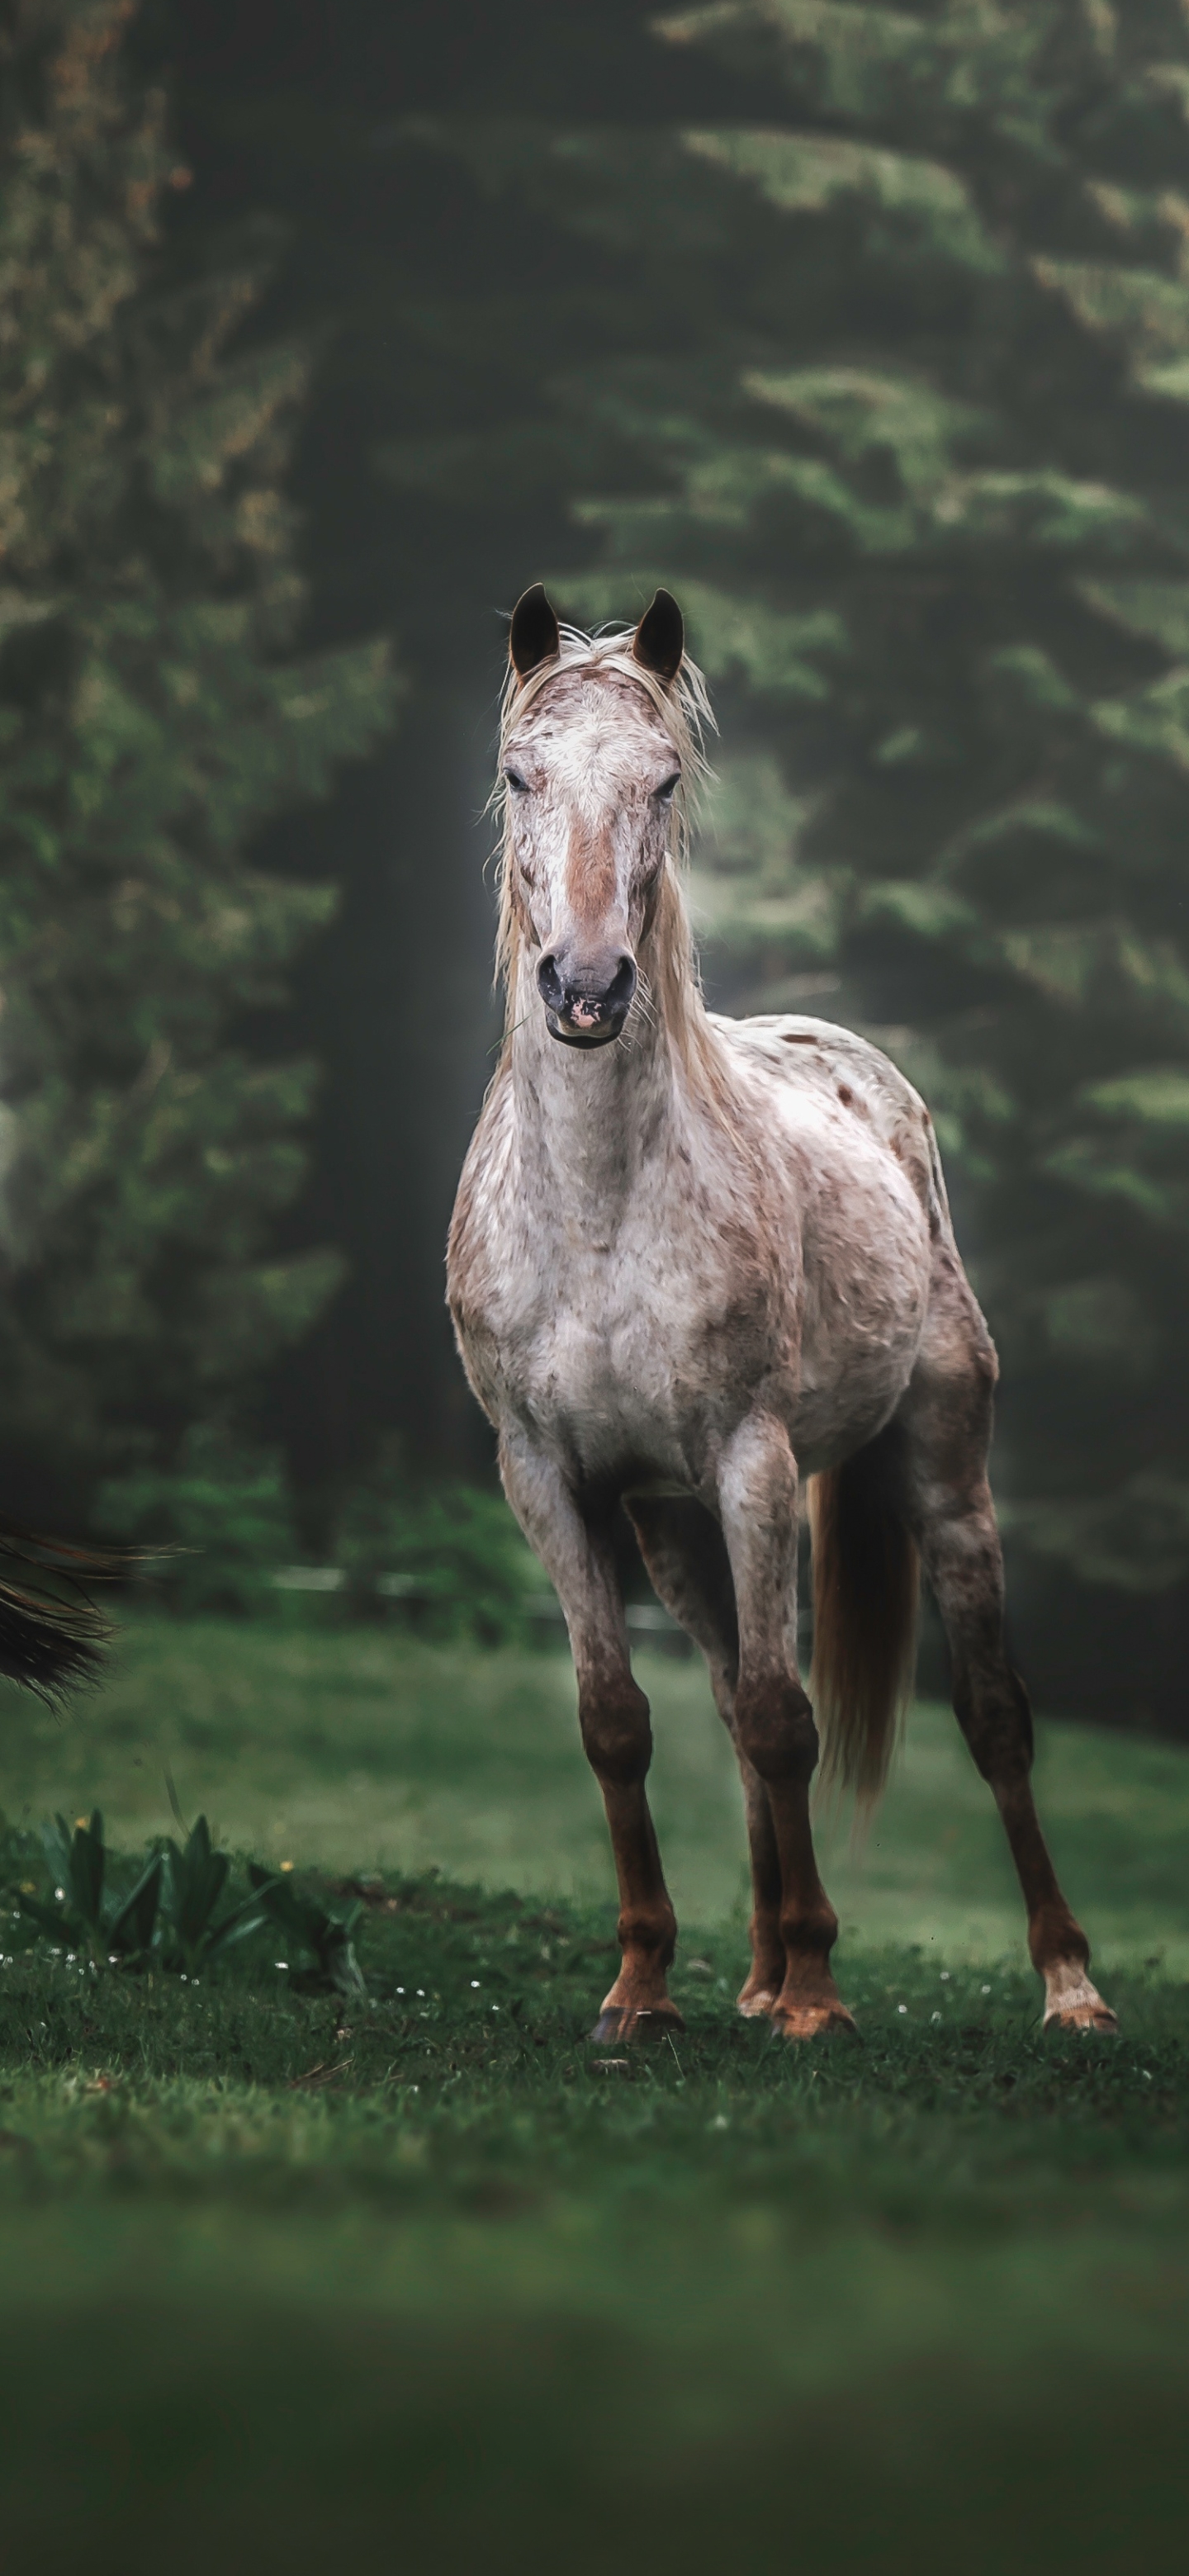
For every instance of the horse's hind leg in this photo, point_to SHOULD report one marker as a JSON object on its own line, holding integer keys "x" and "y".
{"x": 685, "y": 1554}
{"x": 576, "y": 1551}
{"x": 945, "y": 1424}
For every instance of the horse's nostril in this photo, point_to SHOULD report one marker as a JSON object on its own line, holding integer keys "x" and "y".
{"x": 550, "y": 985}
{"x": 621, "y": 989}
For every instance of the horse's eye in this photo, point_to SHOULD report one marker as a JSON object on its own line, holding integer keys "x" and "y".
{"x": 518, "y": 784}
{"x": 666, "y": 788}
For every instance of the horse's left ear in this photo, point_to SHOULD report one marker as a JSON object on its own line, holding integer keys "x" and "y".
{"x": 659, "y": 640}
{"x": 534, "y": 635}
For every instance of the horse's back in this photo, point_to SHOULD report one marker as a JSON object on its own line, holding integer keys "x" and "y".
{"x": 832, "y": 1068}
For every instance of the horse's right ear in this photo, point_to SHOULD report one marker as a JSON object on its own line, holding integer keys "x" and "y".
{"x": 534, "y": 635}
{"x": 659, "y": 640}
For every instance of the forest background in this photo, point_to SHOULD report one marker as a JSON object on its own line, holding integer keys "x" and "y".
{"x": 322, "y": 332}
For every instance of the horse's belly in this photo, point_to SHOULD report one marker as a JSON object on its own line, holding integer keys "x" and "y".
{"x": 866, "y": 1298}
{"x": 842, "y": 1411}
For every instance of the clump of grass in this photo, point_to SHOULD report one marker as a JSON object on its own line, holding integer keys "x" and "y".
{"x": 194, "y": 1878}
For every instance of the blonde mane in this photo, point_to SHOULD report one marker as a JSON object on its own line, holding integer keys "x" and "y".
{"x": 669, "y": 981}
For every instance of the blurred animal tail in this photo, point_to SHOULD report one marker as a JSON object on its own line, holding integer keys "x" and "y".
{"x": 52, "y": 1635}
{"x": 866, "y": 1590}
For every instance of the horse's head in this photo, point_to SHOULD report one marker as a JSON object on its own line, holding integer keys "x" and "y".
{"x": 591, "y": 767}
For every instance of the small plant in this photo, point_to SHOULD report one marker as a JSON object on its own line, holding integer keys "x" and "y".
{"x": 172, "y": 1913}
{"x": 192, "y": 1883}
{"x": 78, "y": 1917}
{"x": 309, "y": 1925}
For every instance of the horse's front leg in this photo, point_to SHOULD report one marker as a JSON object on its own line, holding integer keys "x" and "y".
{"x": 683, "y": 1551}
{"x": 757, "y": 1496}
{"x": 574, "y": 1546}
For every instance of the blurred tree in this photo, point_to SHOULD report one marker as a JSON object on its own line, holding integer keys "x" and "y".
{"x": 911, "y": 441}
{"x": 153, "y": 716}
{"x": 444, "y": 307}
{"x": 864, "y": 325}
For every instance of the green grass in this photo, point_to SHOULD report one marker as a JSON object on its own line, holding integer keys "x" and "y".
{"x": 285, "y": 2280}
{"x": 352, "y": 1748}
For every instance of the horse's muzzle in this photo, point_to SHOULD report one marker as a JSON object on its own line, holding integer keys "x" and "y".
{"x": 580, "y": 1008}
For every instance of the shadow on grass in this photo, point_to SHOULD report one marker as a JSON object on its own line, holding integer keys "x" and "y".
{"x": 254, "y": 2442}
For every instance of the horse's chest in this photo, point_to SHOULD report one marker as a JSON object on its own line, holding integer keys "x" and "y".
{"x": 624, "y": 1365}
{"x": 597, "y": 1368}
{"x": 596, "y": 1358}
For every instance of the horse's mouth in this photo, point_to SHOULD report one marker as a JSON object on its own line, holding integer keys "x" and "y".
{"x": 599, "y": 1034}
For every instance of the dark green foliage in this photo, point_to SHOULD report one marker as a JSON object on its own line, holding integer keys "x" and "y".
{"x": 133, "y": 1927}
{"x": 221, "y": 1516}
{"x": 217, "y": 1528}
{"x": 78, "y": 1865}
{"x": 309, "y": 1925}
{"x": 154, "y": 714}
{"x": 170, "y": 1912}
{"x": 894, "y": 398}
{"x": 193, "y": 1884}
{"x": 451, "y": 1553}
{"x": 931, "y": 511}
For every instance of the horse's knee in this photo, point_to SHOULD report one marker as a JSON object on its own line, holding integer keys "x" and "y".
{"x": 774, "y": 1728}
{"x": 616, "y": 1733}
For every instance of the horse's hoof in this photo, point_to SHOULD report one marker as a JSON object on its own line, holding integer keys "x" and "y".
{"x": 1071, "y": 2002}
{"x": 756, "y": 2004}
{"x": 635, "y": 2023}
{"x": 1096, "y": 2016}
{"x": 812, "y": 2021}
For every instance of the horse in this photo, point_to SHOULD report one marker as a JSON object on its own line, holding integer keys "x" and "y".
{"x": 52, "y": 1635}
{"x": 695, "y": 1266}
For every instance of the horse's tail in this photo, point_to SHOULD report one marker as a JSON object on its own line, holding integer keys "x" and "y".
{"x": 51, "y": 1634}
{"x": 866, "y": 1588}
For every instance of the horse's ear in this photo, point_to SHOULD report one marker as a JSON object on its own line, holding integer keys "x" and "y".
{"x": 534, "y": 635}
{"x": 659, "y": 640}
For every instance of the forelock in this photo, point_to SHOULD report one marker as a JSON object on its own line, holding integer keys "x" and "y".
{"x": 683, "y": 707}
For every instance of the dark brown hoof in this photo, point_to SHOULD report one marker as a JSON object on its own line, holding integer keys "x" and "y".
{"x": 615, "y": 2023}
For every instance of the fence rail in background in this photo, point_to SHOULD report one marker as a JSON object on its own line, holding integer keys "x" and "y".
{"x": 644, "y": 1618}
{"x": 364, "y": 1593}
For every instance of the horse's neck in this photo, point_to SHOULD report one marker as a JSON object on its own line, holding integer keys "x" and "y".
{"x": 591, "y": 1124}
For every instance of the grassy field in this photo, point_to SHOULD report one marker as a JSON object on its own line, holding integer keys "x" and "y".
{"x": 422, "y": 2276}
